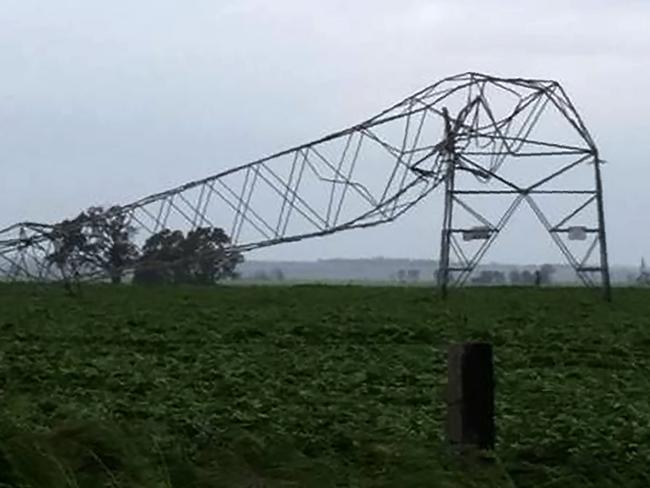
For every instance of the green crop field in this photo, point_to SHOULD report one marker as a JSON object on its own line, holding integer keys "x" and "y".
{"x": 316, "y": 386}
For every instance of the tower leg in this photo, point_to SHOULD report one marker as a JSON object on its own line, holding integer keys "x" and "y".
{"x": 602, "y": 235}
{"x": 445, "y": 237}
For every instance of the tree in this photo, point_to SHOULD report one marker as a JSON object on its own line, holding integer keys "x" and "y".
{"x": 68, "y": 241}
{"x": 207, "y": 256}
{"x": 489, "y": 277}
{"x": 515, "y": 277}
{"x": 546, "y": 274}
{"x": 644, "y": 274}
{"x": 160, "y": 256}
{"x": 401, "y": 275}
{"x": 527, "y": 278}
{"x": 498, "y": 278}
{"x": 277, "y": 274}
{"x": 413, "y": 274}
{"x": 203, "y": 256}
{"x": 95, "y": 239}
{"x": 109, "y": 244}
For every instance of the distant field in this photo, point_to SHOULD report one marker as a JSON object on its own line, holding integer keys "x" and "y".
{"x": 315, "y": 386}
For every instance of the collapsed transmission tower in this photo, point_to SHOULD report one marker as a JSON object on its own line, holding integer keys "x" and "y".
{"x": 476, "y": 135}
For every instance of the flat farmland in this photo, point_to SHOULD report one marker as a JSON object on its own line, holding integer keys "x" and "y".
{"x": 316, "y": 386}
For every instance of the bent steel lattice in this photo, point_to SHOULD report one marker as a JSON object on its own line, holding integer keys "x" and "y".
{"x": 469, "y": 125}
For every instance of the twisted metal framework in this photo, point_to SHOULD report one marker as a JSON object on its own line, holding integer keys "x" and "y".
{"x": 373, "y": 172}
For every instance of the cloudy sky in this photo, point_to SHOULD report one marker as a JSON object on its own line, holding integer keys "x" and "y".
{"x": 105, "y": 102}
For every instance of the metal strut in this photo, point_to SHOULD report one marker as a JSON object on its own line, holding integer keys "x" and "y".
{"x": 446, "y": 232}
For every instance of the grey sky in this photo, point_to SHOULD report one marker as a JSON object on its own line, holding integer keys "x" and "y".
{"x": 105, "y": 102}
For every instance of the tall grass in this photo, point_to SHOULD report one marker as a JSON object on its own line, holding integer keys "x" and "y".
{"x": 91, "y": 455}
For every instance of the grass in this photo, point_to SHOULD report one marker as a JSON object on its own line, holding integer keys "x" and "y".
{"x": 316, "y": 386}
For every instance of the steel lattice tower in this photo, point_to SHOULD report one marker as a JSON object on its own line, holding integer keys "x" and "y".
{"x": 471, "y": 133}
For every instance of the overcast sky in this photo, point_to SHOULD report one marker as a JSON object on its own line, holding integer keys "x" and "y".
{"x": 105, "y": 102}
